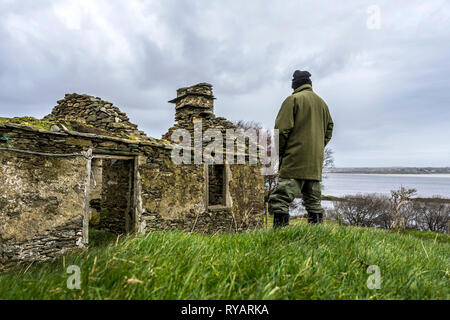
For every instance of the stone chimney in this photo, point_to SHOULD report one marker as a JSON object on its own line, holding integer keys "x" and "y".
{"x": 196, "y": 101}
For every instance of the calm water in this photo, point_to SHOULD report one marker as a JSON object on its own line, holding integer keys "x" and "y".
{"x": 341, "y": 184}
{"x": 427, "y": 185}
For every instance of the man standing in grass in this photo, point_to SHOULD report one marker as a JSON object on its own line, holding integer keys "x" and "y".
{"x": 305, "y": 127}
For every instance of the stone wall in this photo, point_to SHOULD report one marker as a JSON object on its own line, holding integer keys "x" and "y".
{"x": 170, "y": 192}
{"x": 247, "y": 192}
{"x": 41, "y": 201}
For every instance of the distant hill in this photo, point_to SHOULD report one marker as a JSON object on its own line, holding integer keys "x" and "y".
{"x": 410, "y": 170}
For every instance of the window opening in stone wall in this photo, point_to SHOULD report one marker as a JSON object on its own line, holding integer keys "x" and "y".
{"x": 216, "y": 185}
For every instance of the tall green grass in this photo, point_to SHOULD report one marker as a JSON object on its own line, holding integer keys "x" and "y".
{"x": 299, "y": 262}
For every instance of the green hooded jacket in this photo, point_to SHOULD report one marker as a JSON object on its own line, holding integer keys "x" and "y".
{"x": 305, "y": 128}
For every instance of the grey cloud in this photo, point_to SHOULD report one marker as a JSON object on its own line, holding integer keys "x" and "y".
{"x": 386, "y": 88}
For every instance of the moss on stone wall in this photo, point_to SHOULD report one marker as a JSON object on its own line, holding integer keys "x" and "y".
{"x": 36, "y": 123}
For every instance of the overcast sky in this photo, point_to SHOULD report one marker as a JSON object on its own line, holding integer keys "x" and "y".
{"x": 382, "y": 66}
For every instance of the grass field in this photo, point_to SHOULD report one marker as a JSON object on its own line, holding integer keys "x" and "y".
{"x": 299, "y": 262}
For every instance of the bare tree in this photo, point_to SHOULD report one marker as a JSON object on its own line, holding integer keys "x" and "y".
{"x": 432, "y": 215}
{"x": 400, "y": 201}
{"x": 270, "y": 181}
{"x": 328, "y": 160}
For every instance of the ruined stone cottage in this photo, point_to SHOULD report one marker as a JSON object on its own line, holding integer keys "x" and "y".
{"x": 85, "y": 165}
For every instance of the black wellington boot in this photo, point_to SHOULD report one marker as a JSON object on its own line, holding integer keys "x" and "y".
{"x": 319, "y": 218}
{"x": 312, "y": 218}
{"x": 280, "y": 220}
{"x": 315, "y": 218}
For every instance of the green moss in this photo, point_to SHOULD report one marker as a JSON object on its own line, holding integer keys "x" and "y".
{"x": 36, "y": 123}
{"x": 28, "y": 121}
{"x": 66, "y": 124}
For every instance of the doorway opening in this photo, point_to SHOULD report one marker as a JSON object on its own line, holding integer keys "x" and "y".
{"x": 111, "y": 204}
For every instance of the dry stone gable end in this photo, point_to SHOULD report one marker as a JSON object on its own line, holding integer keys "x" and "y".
{"x": 95, "y": 113}
{"x": 86, "y": 166}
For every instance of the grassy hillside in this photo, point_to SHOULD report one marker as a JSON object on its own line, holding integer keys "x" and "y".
{"x": 299, "y": 262}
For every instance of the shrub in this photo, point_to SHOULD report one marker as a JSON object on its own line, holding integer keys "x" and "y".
{"x": 366, "y": 210}
{"x": 399, "y": 212}
{"x": 432, "y": 215}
